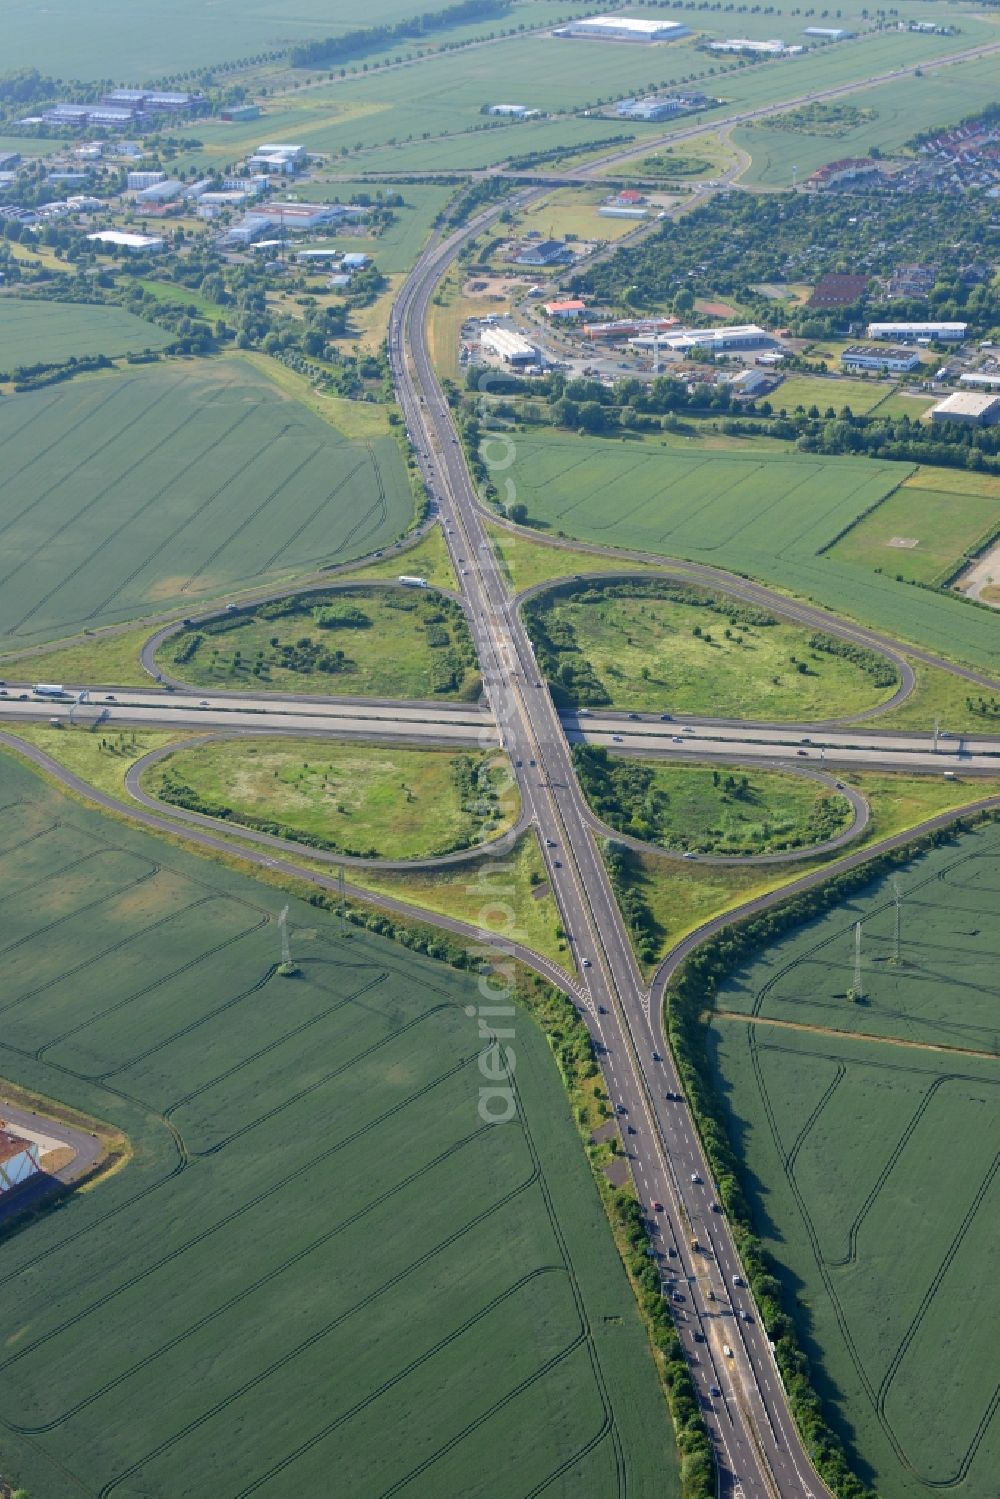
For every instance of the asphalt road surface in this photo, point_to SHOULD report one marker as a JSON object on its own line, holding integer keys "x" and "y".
{"x": 756, "y": 1444}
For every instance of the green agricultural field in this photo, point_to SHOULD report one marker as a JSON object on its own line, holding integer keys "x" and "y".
{"x": 357, "y": 641}
{"x": 167, "y": 486}
{"x": 380, "y": 801}
{"x": 870, "y": 1134}
{"x": 255, "y": 1319}
{"x": 52, "y": 332}
{"x": 701, "y": 809}
{"x": 170, "y": 37}
{"x": 924, "y": 532}
{"x": 429, "y": 117}
{"x": 656, "y": 648}
{"x": 901, "y": 109}
{"x": 767, "y": 514}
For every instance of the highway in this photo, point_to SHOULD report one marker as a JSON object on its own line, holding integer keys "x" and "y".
{"x": 758, "y": 1451}
{"x": 757, "y": 1447}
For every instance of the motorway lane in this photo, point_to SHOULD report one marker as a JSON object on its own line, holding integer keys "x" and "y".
{"x": 751, "y": 1429}
{"x": 744, "y": 752}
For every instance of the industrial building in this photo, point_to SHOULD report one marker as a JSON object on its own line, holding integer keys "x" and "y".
{"x": 648, "y": 109}
{"x": 125, "y": 106}
{"x": 161, "y": 192}
{"x": 295, "y": 216}
{"x": 251, "y": 228}
{"x": 618, "y": 211}
{"x": 571, "y": 309}
{"x": 136, "y": 182}
{"x": 907, "y": 332}
{"x": 750, "y": 383}
{"x": 514, "y": 111}
{"x": 545, "y": 252}
{"x": 974, "y": 408}
{"x": 624, "y": 29}
{"x": 848, "y": 169}
{"x": 120, "y": 239}
{"x": 828, "y": 33}
{"x": 718, "y": 340}
{"x": 356, "y": 260}
{"x": 630, "y": 327}
{"x": 773, "y": 48}
{"x": 978, "y": 377}
{"x": 508, "y": 346}
{"x": 18, "y": 1159}
{"x": 895, "y": 361}
{"x": 279, "y": 158}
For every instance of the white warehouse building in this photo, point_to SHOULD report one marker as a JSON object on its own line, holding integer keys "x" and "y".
{"x": 736, "y": 336}
{"x": 905, "y": 332}
{"x": 508, "y": 346}
{"x": 896, "y": 361}
{"x": 624, "y": 29}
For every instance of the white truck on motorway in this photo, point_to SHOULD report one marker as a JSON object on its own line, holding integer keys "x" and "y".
{"x": 409, "y": 581}
{"x": 48, "y": 689}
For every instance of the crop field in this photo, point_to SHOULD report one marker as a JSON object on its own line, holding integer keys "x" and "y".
{"x": 922, "y": 532}
{"x": 870, "y": 1135}
{"x": 379, "y": 800}
{"x": 319, "y": 1259}
{"x": 49, "y": 332}
{"x": 712, "y": 811}
{"x": 171, "y": 35}
{"x": 428, "y": 116}
{"x": 657, "y": 654}
{"x": 901, "y": 109}
{"x": 132, "y": 492}
{"x": 372, "y": 642}
{"x": 768, "y": 514}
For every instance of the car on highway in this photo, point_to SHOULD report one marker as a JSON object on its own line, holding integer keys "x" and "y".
{"x": 672, "y": 1097}
{"x": 714, "y": 1390}
{"x": 665, "y": 717}
{"x": 587, "y": 964}
{"x": 802, "y": 752}
{"x": 550, "y": 843}
{"x": 676, "y": 739}
{"x": 737, "y": 1280}
{"x": 109, "y": 697}
{"x": 699, "y": 1337}
{"x": 556, "y": 864}
{"x": 727, "y": 1350}
{"x": 616, "y": 739}
{"x": 688, "y": 855}
{"x": 678, "y": 1296}
{"x": 696, "y": 1178}
{"x": 621, "y": 1109}
{"x": 634, "y": 716}
{"x": 657, "y": 1207}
